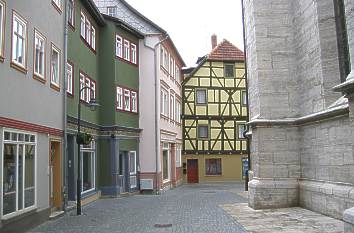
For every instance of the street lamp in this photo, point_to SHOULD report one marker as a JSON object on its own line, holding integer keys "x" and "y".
{"x": 93, "y": 105}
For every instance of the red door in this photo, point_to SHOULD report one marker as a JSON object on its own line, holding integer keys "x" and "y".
{"x": 192, "y": 171}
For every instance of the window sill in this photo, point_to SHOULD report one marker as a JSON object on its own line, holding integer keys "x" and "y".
{"x": 71, "y": 26}
{"x": 39, "y": 78}
{"x": 18, "y": 214}
{"x": 18, "y": 67}
{"x": 212, "y": 175}
{"x": 88, "y": 45}
{"x": 70, "y": 95}
{"x": 126, "y": 61}
{"x": 57, "y": 7}
{"x": 54, "y": 87}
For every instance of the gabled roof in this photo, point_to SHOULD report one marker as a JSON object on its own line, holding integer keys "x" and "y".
{"x": 124, "y": 25}
{"x": 226, "y": 51}
{"x": 143, "y": 16}
{"x": 94, "y": 11}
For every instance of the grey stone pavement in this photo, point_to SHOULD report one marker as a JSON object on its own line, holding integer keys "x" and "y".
{"x": 189, "y": 208}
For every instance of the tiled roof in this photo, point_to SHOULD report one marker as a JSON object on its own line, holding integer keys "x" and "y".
{"x": 225, "y": 51}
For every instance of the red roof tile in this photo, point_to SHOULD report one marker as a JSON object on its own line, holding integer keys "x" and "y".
{"x": 225, "y": 51}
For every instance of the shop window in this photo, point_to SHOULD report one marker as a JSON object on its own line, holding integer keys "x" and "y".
{"x": 88, "y": 168}
{"x": 213, "y": 167}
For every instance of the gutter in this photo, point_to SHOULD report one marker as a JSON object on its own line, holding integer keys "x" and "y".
{"x": 65, "y": 144}
{"x": 157, "y": 135}
{"x": 246, "y": 133}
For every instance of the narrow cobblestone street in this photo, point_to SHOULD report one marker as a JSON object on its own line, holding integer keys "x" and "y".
{"x": 189, "y": 208}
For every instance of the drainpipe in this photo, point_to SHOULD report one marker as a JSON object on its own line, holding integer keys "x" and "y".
{"x": 248, "y": 113}
{"x": 65, "y": 144}
{"x": 157, "y": 117}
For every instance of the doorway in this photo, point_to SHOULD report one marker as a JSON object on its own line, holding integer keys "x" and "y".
{"x": 124, "y": 172}
{"x": 192, "y": 171}
{"x": 55, "y": 176}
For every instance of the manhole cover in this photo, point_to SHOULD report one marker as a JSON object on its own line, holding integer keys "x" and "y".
{"x": 163, "y": 225}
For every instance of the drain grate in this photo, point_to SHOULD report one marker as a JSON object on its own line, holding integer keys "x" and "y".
{"x": 163, "y": 225}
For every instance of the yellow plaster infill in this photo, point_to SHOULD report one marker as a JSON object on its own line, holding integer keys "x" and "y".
{"x": 231, "y": 167}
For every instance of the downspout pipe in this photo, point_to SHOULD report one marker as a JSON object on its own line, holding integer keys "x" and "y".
{"x": 157, "y": 114}
{"x": 247, "y": 136}
{"x": 65, "y": 143}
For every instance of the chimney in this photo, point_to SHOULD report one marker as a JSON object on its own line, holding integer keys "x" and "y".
{"x": 214, "y": 41}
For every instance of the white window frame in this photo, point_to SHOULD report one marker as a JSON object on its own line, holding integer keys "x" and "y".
{"x": 82, "y": 84}
{"x": 126, "y": 95}
{"x": 126, "y": 50}
{"x": 132, "y": 175}
{"x": 39, "y": 36}
{"x": 178, "y": 155}
{"x": 134, "y": 101}
{"x": 133, "y": 53}
{"x": 244, "y": 98}
{"x": 34, "y": 206}
{"x": 16, "y": 17}
{"x": 197, "y": 99}
{"x": 164, "y": 105}
{"x": 177, "y": 73}
{"x": 58, "y": 3}
{"x": 178, "y": 111}
{"x": 239, "y": 132}
{"x": 119, "y": 46}
{"x": 112, "y": 13}
{"x": 71, "y": 12}
{"x": 70, "y": 78}
{"x": 166, "y": 147}
{"x": 91, "y": 148}
{"x": 93, "y": 37}
{"x": 2, "y": 28}
{"x": 87, "y": 90}
{"x": 119, "y": 98}
{"x": 83, "y": 25}
{"x": 55, "y": 82}
{"x": 171, "y": 71}
{"x": 172, "y": 106}
{"x": 93, "y": 89}
{"x": 88, "y": 31}
{"x": 208, "y": 132}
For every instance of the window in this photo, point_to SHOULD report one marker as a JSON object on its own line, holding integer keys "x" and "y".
{"x": 177, "y": 76}
{"x": 241, "y": 130}
{"x": 161, "y": 56}
{"x": 165, "y": 162}
{"x": 55, "y": 66}
{"x": 119, "y": 46}
{"x": 57, "y": 4}
{"x": 119, "y": 98}
{"x": 178, "y": 112}
{"x": 127, "y": 50}
{"x": 39, "y": 55}
{"x": 82, "y": 25}
{"x": 229, "y": 71}
{"x": 244, "y": 98}
{"x": 111, "y": 11}
{"x": 70, "y": 79}
{"x": 165, "y": 59}
{"x": 178, "y": 155}
{"x": 71, "y": 13}
{"x": 164, "y": 102}
{"x": 19, "y": 41}
{"x": 18, "y": 172}
{"x": 172, "y": 105}
{"x": 134, "y": 101}
{"x": 132, "y": 168}
{"x": 201, "y": 97}
{"x": 133, "y": 55}
{"x": 342, "y": 40}
{"x": 87, "y": 91}
{"x": 82, "y": 84}
{"x": 88, "y": 31}
{"x": 126, "y": 100}
{"x": 87, "y": 94}
{"x": 2, "y": 29}
{"x": 213, "y": 167}
{"x": 88, "y": 168}
{"x": 93, "y": 37}
{"x": 203, "y": 131}
{"x": 171, "y": 66}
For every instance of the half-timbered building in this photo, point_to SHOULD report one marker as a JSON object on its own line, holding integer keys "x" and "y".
{"x": 214, "y": 114}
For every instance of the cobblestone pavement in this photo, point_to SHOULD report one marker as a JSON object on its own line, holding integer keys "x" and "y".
{"x": 286, "y": 220}
{"x": 189, "y": 208}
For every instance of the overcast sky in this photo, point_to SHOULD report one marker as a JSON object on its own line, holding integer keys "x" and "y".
{"x": 190, "y": 23}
